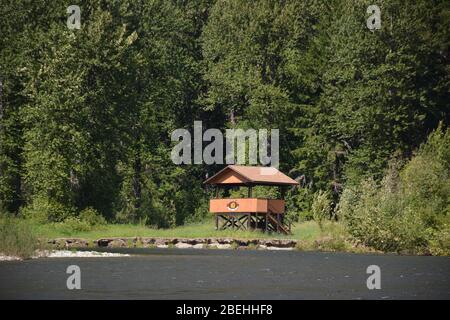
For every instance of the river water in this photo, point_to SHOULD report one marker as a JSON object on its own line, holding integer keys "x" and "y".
{"x": 228, "y": 274}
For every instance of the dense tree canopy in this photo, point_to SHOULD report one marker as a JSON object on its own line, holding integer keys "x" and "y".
{"x": 86, "y": 115}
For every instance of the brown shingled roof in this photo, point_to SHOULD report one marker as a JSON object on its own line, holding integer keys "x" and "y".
{"x": 248, "y": 175}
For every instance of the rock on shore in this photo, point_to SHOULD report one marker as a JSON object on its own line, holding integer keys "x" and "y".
{"x": 78, "y": 254}
{"x": 9, "y": 258}
{"x": 64, "y": 254}
{"x": 181, "y": 243}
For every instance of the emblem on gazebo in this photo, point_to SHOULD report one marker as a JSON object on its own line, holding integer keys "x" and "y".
{"x": 233, "y": 205}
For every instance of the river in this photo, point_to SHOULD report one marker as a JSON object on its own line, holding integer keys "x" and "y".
{"x": 228, "y": 274}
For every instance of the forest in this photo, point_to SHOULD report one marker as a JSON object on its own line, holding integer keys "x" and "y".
{"x": 86, "y": 115}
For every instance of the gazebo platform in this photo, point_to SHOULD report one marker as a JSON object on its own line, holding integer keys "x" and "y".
{"x": 250, "y": 213}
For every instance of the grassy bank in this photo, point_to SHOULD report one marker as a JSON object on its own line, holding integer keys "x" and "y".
{"x": 20, "y": 237}
{"x": 332, "y": 236}
{"x": 307, "y": 230}
{"x": 17, "y": 238}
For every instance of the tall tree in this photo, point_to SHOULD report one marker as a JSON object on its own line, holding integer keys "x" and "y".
{"x": 383, "y": 90}
{"x": 23, "y": 26}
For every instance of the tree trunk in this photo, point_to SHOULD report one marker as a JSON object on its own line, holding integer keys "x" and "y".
{"x": 137, "y": 187}
{"x": 232, "y": 119}
{"x": 1, "y": 105}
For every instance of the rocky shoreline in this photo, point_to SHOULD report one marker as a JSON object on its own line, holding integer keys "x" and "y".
{"x": 63, "y": 247}
{"x": 181, "y": 243}
{"x": 64, "y": 254}
{"x": 68, "y": 246}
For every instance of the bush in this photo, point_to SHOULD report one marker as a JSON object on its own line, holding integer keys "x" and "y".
{"x": 17, "y": 237}
{"x": 201, "y": 213}
{"x": 72, "y": 225}
{"x": 440, "y": 244}
{"x": 409, "y": 209}
{"x": 43, "y": 210}
{"x": 376, "y": 216}
{"x": 334, "y": 237}
{"x": 321, "y": 207}
{"x": 87, "y": 220}
{"x": 298, "y": 204}
{"x": 92, "y": 217}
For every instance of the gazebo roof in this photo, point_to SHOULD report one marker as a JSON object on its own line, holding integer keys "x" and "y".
{"x": 248, "y": 175}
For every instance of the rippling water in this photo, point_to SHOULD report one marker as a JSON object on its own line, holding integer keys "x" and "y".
{"x": 228, "y": 274}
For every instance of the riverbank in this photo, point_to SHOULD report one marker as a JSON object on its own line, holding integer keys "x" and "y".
{"x": 64, "y": 254}
{"x": 66, "y": 247}
{"x": 300, "y": 231}
{"x": 321, "y": 244}
{"x": 306, "y": 236}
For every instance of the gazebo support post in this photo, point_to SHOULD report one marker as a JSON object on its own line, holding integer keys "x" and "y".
{"x": 278, "y": 224}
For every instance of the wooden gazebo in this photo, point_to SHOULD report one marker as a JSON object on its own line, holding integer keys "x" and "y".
{"x": 250, "y": 213}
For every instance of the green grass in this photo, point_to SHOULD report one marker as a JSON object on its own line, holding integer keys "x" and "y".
{"x": 17, "y": 238}
{"x": 303, "y": 231}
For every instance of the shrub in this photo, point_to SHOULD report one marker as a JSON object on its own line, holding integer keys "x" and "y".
{"x": 409, "y": 209}
{"x": 440, "y": 243}
{"x": 72, "y": 225}
{"x": 17, "y": 237}
{"x": 321, "y": 207}
{"x": 43, "y": 210}
{"x": 92, "y": 217}
{"x": 201, "y": 213}
{"x": 334, "y": 237}
{"x": 379, "y": 217}
{"x": 298, "y": 204}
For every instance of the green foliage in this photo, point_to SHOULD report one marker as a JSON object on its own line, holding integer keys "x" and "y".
{"x": 298, "y": 204}
{"x": 321, "y": 207}
{"x": 92, "y": 217}
{"x": 440, "y": 243}
{"x": 43, "y": 209}
{"x": 72, "y": 225}
{"x": 333, "y": 236}
{"x": 17, "y": 237}
{"x": 381, "y": 88}
{"x": 257, "y": 192}
{"x": 85, "y": 128}
{"x": 409, "y": 209}
{"x": 201, "y": 213}
{"x": 86, "y": 115}
{"x": 88, "y": 219}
